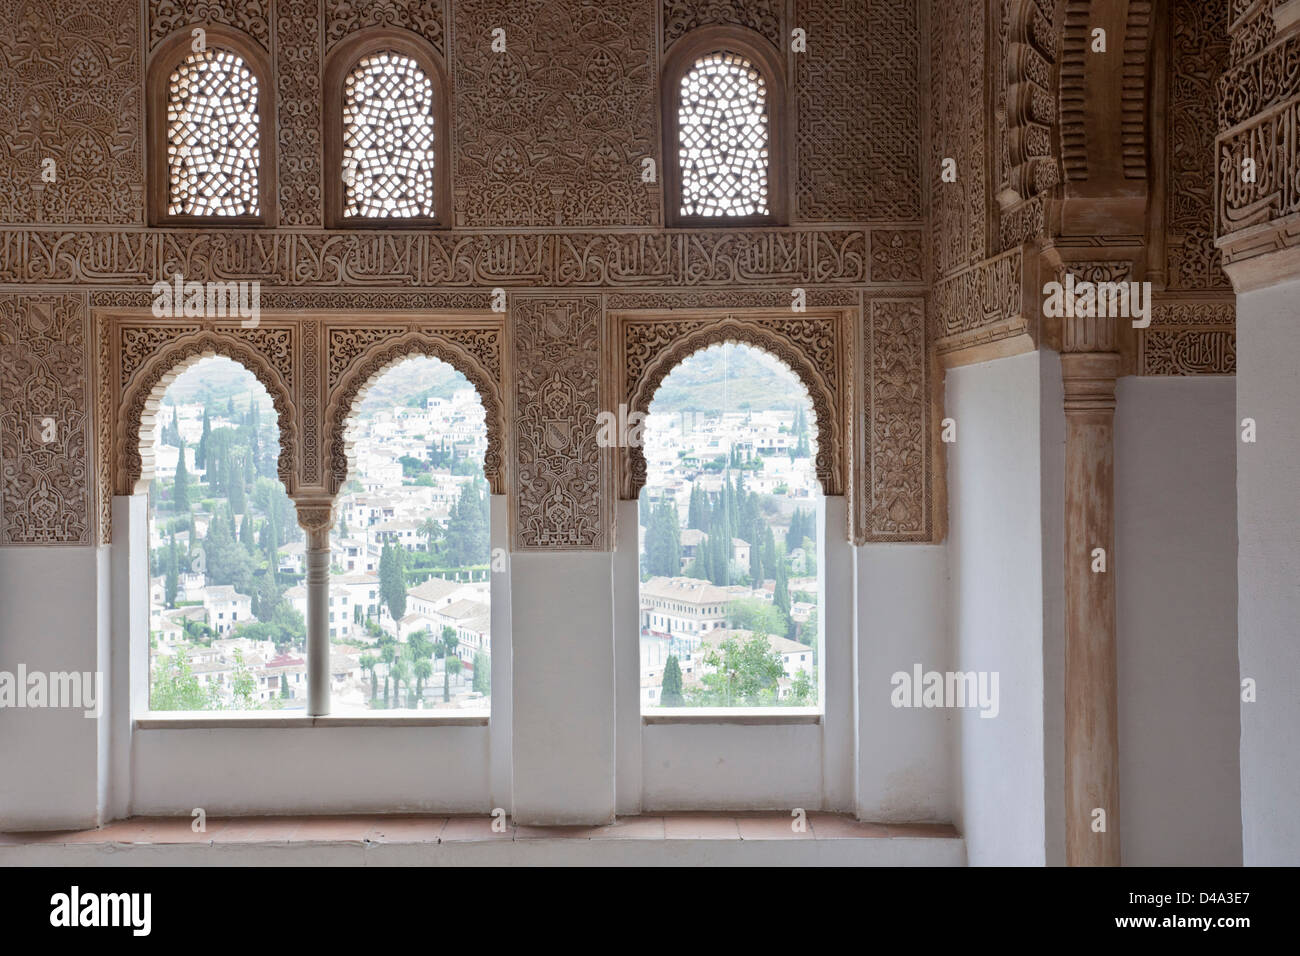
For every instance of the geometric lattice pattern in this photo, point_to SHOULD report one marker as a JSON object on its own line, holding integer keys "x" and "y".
{"x": 388, "y": 138}
{"x": 212, "y": 136}
{"x": 722, "y": 130}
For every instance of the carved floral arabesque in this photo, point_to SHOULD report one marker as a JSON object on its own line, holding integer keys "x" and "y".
{"x": 372, "y": 352}
{"x": 482, "y": 343}
{"x": 764, "y": 17}
{"x": 45, "y": 394}
{"x": 345, "y": 17}
{"x": 812, "y": 347}
{"x": 142, "y": 397}
{"x": 251, "y": 16}
{"x": 553, "y": 130}
{"x": 561, "y": 484}
{"x": 70, "y": 91}
{"x": 895, "y": 503}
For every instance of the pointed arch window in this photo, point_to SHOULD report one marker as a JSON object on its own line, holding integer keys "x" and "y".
{"x": 387, "y": 133}
{"x": 724, "y": 142}
{"x": 210, "y": 114}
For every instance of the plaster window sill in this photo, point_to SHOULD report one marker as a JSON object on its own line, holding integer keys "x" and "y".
{"x": 201, "y": 720}
{"x": 749, "y": 716}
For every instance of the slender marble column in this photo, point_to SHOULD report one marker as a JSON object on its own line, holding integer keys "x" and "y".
{"x": 317, "y": 522}
{"x": 1091, "y": 708}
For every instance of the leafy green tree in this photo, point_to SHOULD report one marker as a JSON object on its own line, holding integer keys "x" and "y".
{"x": 368, "y": 663}
{"x": 803, "y": 689}
{"x": 482, "y": 674}
{"x": 388, "y": 654}
{"x": 176, "y": 687}
{"x": 446, "y": 649}
{"x": 431, "y": 531}
{"x": 243, "y": 685}
{"x": 672, "y": 688}
{"x": 743, "y": 673}
{"x": 401, "y": 672}
{"x": 754, "y": 614}
{"x": 467, "y": 531}
{"x": 663, "y": 544}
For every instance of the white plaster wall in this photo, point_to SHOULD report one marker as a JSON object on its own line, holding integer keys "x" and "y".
{"x": 1268, "y": 571}
{"x": 903, "y": 762}
{"x": 50, "y": 620}
{"x": 312, "y": 770}
{"x": 732, "y": 767}
{"x": 563, "y": 696}
{"x": 995, "y": 550}
{"x": 1051, "y": 390}
{"x": 1176, "y": 588}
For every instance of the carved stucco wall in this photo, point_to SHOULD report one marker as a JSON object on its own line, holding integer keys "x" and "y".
{"x": 1259, "y": 114}
{"x": 547, "y": 142}
{"x": 1193, "y": 326}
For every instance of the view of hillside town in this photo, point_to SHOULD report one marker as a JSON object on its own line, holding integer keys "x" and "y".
{"x": 409, "y": 614}
{"x": 729, "y": 520}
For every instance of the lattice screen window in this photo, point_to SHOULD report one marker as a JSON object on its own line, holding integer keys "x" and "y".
{"x": 213, "y": 149}
{"x": 722, "y": 121}
{"x": 388, "y": 138}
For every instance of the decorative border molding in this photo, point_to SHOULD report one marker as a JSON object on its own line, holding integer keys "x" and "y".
{"x": 1193, "y": 337}
{"x": 446, "y": 261}
{"x": 988, "y": 302}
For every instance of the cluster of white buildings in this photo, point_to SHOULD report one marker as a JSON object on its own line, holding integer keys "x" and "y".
{"x": 386, "y": 510}
{"x": 686, "y": 617}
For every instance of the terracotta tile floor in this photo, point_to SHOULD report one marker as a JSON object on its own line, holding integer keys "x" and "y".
{"x": 442, "y": 829}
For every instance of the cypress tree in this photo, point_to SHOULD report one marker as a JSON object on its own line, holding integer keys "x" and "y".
{"x": 201, "y": 456}
{"x": 181, "y": 487}
{"x": 173, "y": 572}
{"x": 672, "y": 689}
{"x": 756, "y": 555}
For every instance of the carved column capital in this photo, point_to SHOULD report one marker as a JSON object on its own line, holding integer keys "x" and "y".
{"x": 316, "y": 518}
{"x": 1089, "y": 379}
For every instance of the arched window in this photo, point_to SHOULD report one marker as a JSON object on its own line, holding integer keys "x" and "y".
{"x": 227, "y": 610}
{"x": 387, "y": 134}
{"x": 210, "y": 121}
{"x": 410, "y": 583}
{"x": 724, "y": 142}
{"x": 731, "y": 530}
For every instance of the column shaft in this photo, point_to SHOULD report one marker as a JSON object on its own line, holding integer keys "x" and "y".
{"x": 1091, "y": 708}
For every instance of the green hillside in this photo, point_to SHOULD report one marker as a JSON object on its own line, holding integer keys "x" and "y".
{"x": 729, "y": 378}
